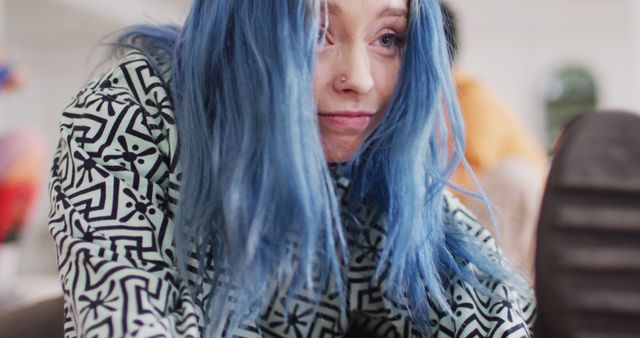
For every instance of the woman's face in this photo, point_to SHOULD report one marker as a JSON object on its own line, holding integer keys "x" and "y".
{"x": 357, "y": 69}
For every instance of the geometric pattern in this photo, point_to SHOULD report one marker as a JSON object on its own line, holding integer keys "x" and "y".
{"x": 114, "y": 188}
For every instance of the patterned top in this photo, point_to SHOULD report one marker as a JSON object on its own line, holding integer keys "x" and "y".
{"x": 114, "y": 188}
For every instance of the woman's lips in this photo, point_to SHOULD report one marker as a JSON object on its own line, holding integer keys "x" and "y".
{"x": 345, "y": 121}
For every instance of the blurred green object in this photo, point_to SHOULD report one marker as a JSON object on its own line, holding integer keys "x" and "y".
{"x": 572, "y": 92}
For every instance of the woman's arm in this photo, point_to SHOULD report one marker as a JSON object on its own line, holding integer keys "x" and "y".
{"x": 113, "y": 191}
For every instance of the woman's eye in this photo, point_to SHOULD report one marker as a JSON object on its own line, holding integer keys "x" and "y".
{"x": 323, "y": 36}
{"x": 389, "y": 40}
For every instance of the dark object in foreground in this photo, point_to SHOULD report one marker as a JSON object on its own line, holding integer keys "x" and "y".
{"x": 42, "y": 320}
{"x": 588, "y": 251}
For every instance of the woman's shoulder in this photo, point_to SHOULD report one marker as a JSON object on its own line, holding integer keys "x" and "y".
{"x": 124, "y": 120}
{"x": 130, "y": 100}
{"x": 132, "y": 79}
{"x": 136, "y": 79}
{"x": 499, "y": 308}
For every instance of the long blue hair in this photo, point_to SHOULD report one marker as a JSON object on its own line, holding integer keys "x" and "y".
{"x": 257, "y": 195}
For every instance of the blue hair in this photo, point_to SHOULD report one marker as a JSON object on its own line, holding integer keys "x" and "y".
{"x": 257, "y": 194}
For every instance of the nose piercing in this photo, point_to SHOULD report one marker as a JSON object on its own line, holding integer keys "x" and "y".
{"x": 343, "y": 79}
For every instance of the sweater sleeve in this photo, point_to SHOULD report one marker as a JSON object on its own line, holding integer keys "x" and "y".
{"x": 113, "y": 190}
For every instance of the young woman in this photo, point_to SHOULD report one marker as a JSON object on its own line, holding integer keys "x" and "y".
{"x": 275, "y": 168}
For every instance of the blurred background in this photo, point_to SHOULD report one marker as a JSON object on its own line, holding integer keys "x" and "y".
{"x": 547, "y": 60}
{"x": 56, "y": 47}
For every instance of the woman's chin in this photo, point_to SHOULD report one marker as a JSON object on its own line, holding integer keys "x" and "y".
{"x": 339, "y": 154}
{"x": 340, "y": 148}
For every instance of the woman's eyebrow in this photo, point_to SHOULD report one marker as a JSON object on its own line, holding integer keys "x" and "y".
{"x": 335, "y": 9}
{"x": 393, "y": 11}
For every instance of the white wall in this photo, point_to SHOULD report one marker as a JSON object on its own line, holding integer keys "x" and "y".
{"x": 516, "y": 45}
{"x": 55, "y": 43}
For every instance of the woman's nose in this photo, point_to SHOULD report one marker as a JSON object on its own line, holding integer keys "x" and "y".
{"x": 354, "y": 76}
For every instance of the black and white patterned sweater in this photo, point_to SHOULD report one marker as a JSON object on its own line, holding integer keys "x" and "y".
{"x": 114, "y": 191}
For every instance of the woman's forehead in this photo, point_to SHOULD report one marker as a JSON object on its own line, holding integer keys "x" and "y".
{"x": 368, "y": 8}
{"x": 335, "y": 5}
